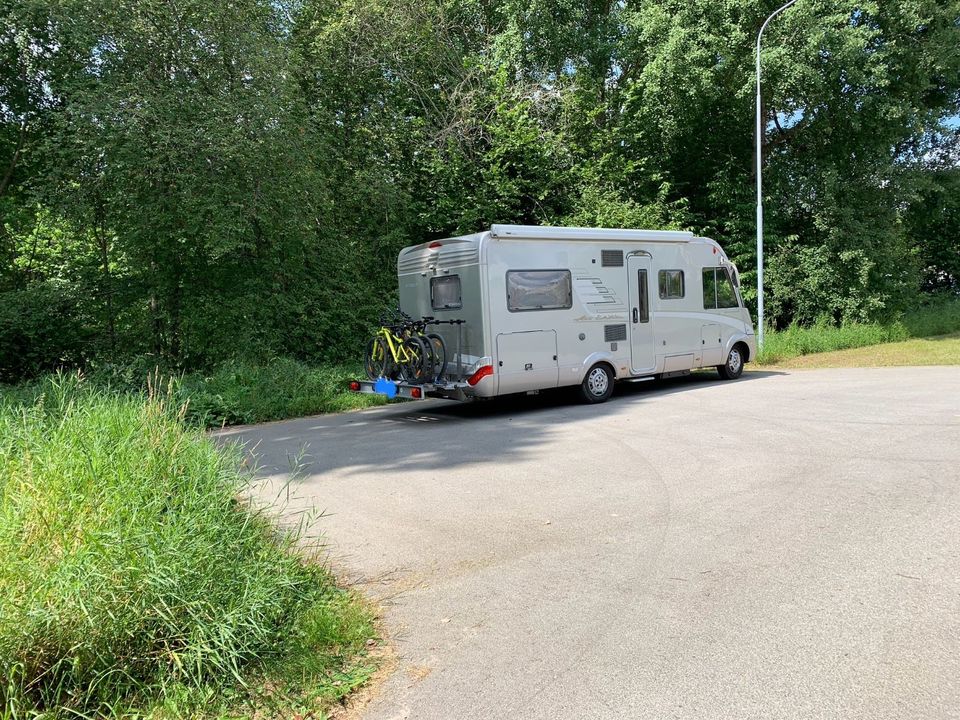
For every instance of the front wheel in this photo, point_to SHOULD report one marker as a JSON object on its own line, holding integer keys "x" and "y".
{"x": 597, "y": 386}
{"x": 377, "y": 361}
{"x": 733, "y": 367}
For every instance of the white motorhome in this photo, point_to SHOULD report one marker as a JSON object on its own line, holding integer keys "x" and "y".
{"x": 546, "y": 307}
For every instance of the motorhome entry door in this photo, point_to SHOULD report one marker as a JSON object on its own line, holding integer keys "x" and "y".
{"x": 641, "y": 315}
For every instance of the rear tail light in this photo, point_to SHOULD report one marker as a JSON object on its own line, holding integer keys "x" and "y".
{"x": 480, "y": 374}
{"x": 416, "y": 393}
{"x": 354, "y": 386}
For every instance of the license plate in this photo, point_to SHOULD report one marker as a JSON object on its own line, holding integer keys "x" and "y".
{"x": 385, "y": 387}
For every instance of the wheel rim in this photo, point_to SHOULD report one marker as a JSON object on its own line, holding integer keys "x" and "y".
{"x": 439, "y": 352}
{"x": 376, "y": 365}
{"x": 598, "y": 382}
{"x": 735, "y": 361}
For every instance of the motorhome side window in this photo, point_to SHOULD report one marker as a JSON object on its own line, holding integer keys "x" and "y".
{"x": 539, "y": 290}
{"x": 445, "y": 292}
{"x": 718, "y": 289}
{"x": 671, "y": 284}
{"x": 644, "y": 314}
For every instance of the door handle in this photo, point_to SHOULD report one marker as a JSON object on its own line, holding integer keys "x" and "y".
{"x": 636, "y": 315}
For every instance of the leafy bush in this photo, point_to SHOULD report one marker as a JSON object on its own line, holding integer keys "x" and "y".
{"x": 939, "y": 317}
{"x": 131, "y": 572}
{"x": 40, "y": 330}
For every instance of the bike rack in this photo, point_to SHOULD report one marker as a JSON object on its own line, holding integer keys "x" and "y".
{"x": 461, "y": 372}
{"x": 449, "y": 385}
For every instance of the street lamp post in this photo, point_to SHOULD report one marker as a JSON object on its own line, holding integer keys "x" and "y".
{"x": 759, "y": 180}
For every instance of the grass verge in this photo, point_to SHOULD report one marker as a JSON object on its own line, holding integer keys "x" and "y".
{"x": 939, "y": 350}
{"x": 135, "y": 581}
{"x": 937, "y": 318}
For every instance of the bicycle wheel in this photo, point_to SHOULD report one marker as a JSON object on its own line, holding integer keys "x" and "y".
{"x": 438, "y": 354}
{"x": 428, "y": 376}
{"x": 377, "y": 361}
{"x": 412, "y": 368}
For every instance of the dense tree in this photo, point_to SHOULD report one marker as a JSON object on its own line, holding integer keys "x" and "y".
{"x": 934, "y": 218}
{"x": 182, "y": 180}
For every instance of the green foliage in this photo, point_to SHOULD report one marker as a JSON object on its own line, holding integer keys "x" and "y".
{"x": 132, "y": 575}
{"x": 238, "y": 392}
{"x": 202, "y": 180}
{"x": 234, "y": 392}
{"x": 41, "y": 330}
{"x": 938, "y": 318}
{"x": 932, "y": 222}
{"x": 605, "y": 206}
{"x": 810, "y": 283}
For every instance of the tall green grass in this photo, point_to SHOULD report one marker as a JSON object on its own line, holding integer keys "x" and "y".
{"x": 133, "y": 574}
{"x": 937, "y": 318}
{"x": 239, "y": 392}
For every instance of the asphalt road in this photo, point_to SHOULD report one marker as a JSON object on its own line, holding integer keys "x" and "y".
{"x": 784, "y": 546}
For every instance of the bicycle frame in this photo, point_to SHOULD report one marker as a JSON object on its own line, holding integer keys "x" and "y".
{"x": 395, "y": 344}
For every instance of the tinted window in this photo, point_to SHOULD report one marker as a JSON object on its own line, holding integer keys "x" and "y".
{"x": 709, "y": 288}
{"x": 539, "y": 290}
{"x": 718, "y": 289}
{"x": 671, "y": 284}
{"x": 726, "y": 295}
{"x": 445, "y": 292}
{"x": 644, "y": 301}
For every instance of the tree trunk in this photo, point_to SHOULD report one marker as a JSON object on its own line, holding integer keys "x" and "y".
{"x": 153, "y": 305}
{"x": 103, "y": 244}
{"x": 5, "y": 182}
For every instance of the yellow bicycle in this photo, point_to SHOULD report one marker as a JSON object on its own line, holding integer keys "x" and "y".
{"x": 404, "y": 350}
{"x": 393, "y": 355}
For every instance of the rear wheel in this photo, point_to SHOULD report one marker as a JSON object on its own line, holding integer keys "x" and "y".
{"x": 414, "y": 367}
{"x": 438, "y": 357}
{"x": 733, "y": 367}
{"x": 377, "y": 361}
{"x": 597, "y": 386}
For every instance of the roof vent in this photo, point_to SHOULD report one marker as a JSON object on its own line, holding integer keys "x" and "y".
{"x": 614, "y": 333}
{"x": 611, "y": 258}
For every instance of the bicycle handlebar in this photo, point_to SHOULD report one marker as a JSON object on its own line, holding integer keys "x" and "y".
{"x": 397, "y": 319}
{"x": 388, "y": 317}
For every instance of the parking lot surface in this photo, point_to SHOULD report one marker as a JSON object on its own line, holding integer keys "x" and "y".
{"x": 783, "y": 546}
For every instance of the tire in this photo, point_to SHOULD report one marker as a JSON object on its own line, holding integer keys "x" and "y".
{"x": 429, "y": 358}
{"x": 733, "y": 367}
{"x": 414, "y": 370}
{"x": 377, "y": 362}
{"x": 438, "y": 355}
{"x": 597, "y": 386}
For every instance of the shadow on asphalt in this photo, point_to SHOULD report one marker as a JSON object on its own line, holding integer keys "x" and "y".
{"x": 434, "y": 436}
{"x": 624, "y": 392}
